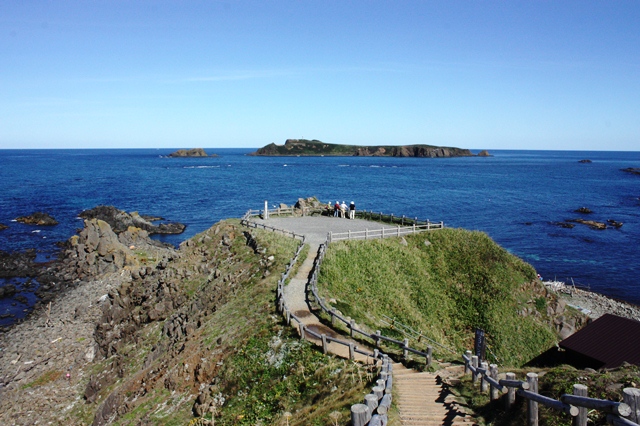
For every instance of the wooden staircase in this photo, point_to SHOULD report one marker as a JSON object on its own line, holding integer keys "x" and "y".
{"x": 424, "y": 399}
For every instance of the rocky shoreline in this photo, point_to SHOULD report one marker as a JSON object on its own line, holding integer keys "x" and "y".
{"x": 594, "y": 305}
{"x": 122, "y": 287}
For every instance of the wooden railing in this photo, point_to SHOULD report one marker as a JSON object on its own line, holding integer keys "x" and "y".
{"x": 370, "y": 234}
{"x": 376, "y": 337}
{"x": 376, "y": 404}
{"x": 576, "y": 405}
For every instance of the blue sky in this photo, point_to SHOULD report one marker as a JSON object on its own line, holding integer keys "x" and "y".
{"x": 472, "y": 74}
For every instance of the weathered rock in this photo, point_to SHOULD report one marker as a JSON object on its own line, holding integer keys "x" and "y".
{"x": 584, "y": 210}
{"x": 121, "y": 221}
{"x": 195, "y": 152}
{"x": 37, "y": 218}
{"x": 7, "y": 290}
{"x": 585, "y": 161}
{"x": 632, "y": 170}
{"x": 484, "y": 153}
{"x": 591, "y": 223}
{"x": 3, "y": 227}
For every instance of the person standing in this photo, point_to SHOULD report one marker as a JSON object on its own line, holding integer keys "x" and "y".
{"x": 352, "y": 210}
{"x": 343, "y": 210}
{"x": 336, "y": 209}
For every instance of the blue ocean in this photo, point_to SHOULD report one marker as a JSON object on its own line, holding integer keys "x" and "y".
{"x": 517, "y": 197}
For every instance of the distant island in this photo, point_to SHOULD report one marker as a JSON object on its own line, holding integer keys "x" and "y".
{"x": 195, "y": 152}
{"x": 304, "y": 147}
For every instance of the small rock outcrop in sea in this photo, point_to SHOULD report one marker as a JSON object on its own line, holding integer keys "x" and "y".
{"x": 632, "y": 170}
{"x": 195, "y": 152}
{"x": 3, "y": 227}
{"x": 614, "y": 223}
{"x": 584, "y": 210}
{"x": 38, "y": 218}
{"x": 484, "y": 153}
{"x": 591, "y": 223}
{"x": 585, "y": 161}
{"x": 120, "y": 221}
{"x": 565, "y": 225}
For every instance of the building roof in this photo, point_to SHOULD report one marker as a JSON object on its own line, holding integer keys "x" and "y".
{"x": 609, "y": 339}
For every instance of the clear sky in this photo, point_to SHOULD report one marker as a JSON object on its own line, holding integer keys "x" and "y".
{"x": 184, "y": 74}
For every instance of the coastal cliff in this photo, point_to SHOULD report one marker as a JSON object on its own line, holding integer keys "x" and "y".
{"x": 304, "y": 147}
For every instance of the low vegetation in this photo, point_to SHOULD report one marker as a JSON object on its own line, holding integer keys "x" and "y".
{"x": 442, "y": 284}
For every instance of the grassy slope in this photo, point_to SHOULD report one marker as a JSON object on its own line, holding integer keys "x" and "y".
{"x": 460, "y": 281}
{"x": 254, "y": 365}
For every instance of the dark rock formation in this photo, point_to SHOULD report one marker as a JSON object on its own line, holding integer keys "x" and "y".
{"x": 18, "y": 264}
{"x": 614, "y": 223}
{"x": 120, "y": 221}
{"x": 591, "y": 223}
{"x": 586, "y": 161}
{"x": 3, "y": 227}
{"x": 7, "y": 290}
{"x": 195, "y": 152}
{"x": 565, "y": 225}
{"x": 484, "y": 153}
{"x": 38, "y": 218}
{"x": 304, "y": 147}
{"x": 632, "y": 170}
{"x": 584, "y": 210}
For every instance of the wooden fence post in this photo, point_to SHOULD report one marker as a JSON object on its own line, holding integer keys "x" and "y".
{"x": 360, "y": 415}
{"x": 371, "y": 401}
{"x": 467, "y": 370}
{"x": 288, "y": 316}
{"x": 352, "y": 325}
{"x": 484, "y": 384}
{"x": 301, "y": 326}
{"x": 474, "y": 364}
{"x": 493, "y": 394}
{"x": 333, "y": 315}
{"x": 510, "y": 397}
{"x": 532, "y": 406}
{"x": 378, "y": 391}
{"x": 631, "y": 397}
{"x": 429, "y": 355}
{"x": 324, "y": 343}
{"x": 581, "y": 418}
{"x": 405, "y": 352}
{"x": 266, "y": 210}
{"x": 352, "y": 351}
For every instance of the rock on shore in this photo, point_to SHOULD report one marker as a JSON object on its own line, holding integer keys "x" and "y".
{"x": 120, "y": 221}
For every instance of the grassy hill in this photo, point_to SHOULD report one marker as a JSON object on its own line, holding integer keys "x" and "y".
{"x": 443, "y": 284}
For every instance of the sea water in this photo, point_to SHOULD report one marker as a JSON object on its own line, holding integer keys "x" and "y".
{"x": 517, "y": 197}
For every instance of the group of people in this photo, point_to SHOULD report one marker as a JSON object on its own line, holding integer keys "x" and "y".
{"x": 340, "y": 210}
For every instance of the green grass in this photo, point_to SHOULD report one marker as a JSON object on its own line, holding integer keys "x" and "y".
{"x": 460, "y": 281}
